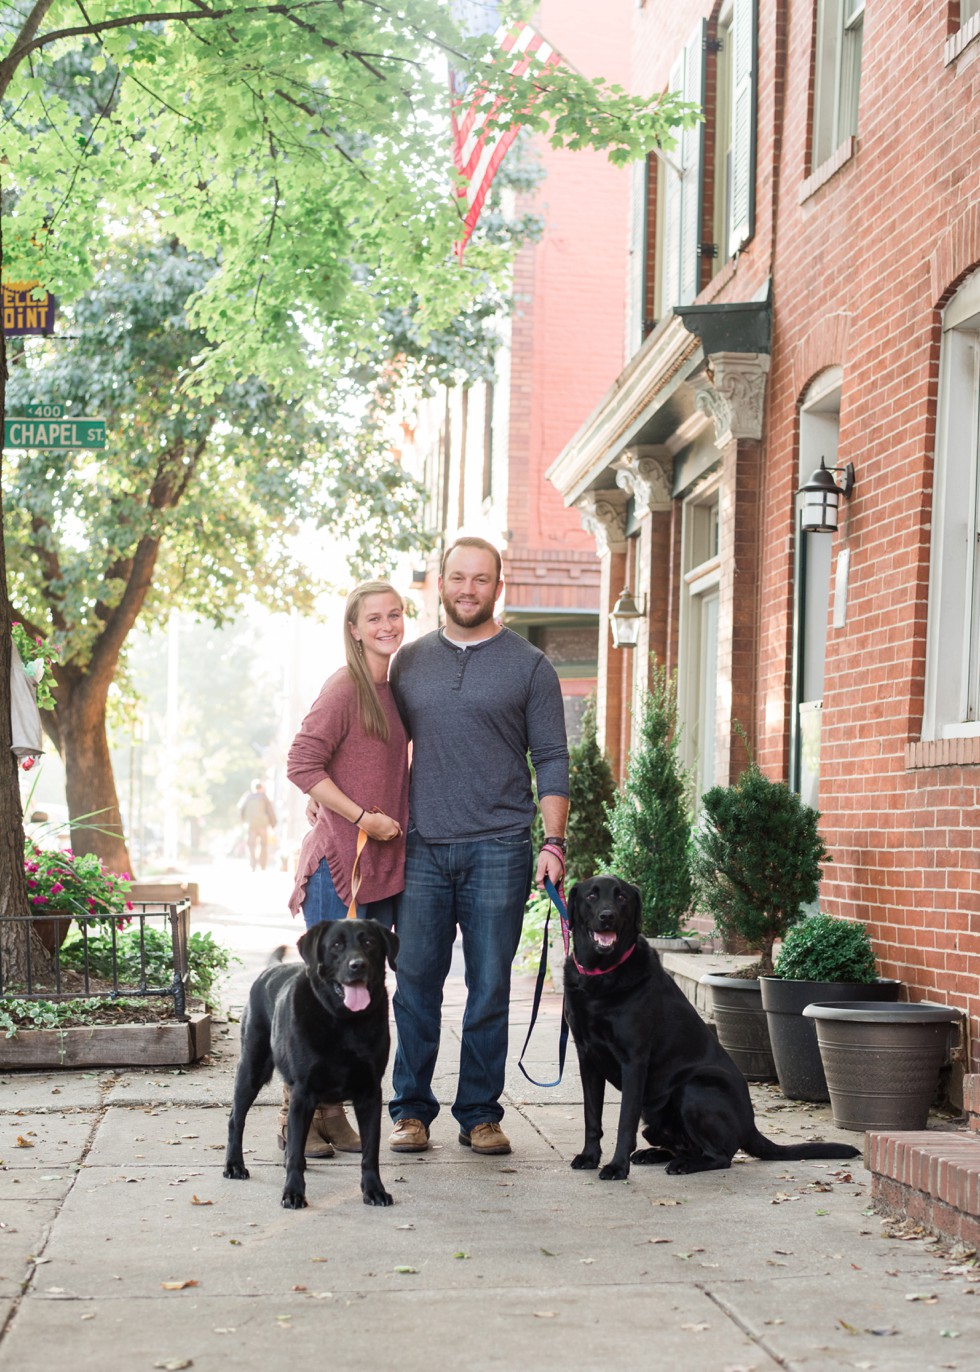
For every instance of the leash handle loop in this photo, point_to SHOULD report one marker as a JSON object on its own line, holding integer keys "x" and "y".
{"x": 355, "y": 876}
{"x": 556, "y": 896}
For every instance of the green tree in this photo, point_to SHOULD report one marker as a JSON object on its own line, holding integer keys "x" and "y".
{"x": 193, "y": 503}
{"x": 591, "y": 792}
{"x": 301, "y": 144}
{"x": 650, "y": 817}
{"x": 758, "y": 858}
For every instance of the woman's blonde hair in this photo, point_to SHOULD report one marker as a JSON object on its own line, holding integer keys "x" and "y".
{"x": 369, "y": 707}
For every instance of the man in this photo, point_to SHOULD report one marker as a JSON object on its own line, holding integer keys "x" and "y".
{"x": 256, "y": 810}
{"x": 475, "y": 697}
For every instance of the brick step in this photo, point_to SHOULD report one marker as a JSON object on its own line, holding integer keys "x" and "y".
{"x": 929, "y": 1176}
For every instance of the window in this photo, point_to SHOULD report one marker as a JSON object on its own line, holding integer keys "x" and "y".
{"x": 819, "y": 431}
{"x": 736, "y": 69}
{"x": 698, "y": 675}
{"x": 952, "y": 695}
{"x": 840, "y": 31}
{"x": 681, "y": 182}
{"x": 969, "y": 9}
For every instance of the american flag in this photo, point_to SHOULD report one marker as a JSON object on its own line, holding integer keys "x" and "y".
{"x": 478, "y": 150}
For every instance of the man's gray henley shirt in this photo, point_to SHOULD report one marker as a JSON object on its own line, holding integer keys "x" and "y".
{"x": 473, "y": 714}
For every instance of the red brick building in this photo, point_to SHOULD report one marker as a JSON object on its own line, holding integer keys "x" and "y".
{"x": 811, "y": 291}
{"x": 483, "y": 450}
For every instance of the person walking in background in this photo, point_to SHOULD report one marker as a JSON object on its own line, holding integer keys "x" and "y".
{"x": 351, "y": 758}
{"x": 476, "y": 698}
{"x": 259, "y": 818}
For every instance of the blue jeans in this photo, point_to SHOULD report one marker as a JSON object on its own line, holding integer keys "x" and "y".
{"x": 321, "y": 902}
{"x": 482, "y": 887}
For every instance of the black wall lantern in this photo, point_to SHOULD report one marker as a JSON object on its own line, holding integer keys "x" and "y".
{"x": 821, "y": 498}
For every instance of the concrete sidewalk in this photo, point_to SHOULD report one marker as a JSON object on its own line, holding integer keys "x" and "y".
{"x": 122, "y": 1246}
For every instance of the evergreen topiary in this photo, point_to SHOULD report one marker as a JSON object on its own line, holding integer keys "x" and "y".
{"x": 823, "y": 948}
{"x": 757, "y": 859}
{"x": 591, "y": 791}
{"x": 649, "y": 819}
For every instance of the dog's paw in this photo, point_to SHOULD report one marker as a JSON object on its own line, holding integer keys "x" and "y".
{"x": 615, "y": 1171}
{"x": 376, "y": 1196}
{"x": 585, "y": 1162}
{"x": 648, "y": 1157}
{"x": 293, "y": 1200}
{"x": 236, "y": 1171}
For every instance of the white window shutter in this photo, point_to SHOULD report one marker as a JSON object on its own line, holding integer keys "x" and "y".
{"x": 692, "y": 144}
{"x": 672, "y": 188}
{"x": 743, "y": 123}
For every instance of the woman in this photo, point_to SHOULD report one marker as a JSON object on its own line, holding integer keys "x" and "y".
{"x": 351, "y": 758}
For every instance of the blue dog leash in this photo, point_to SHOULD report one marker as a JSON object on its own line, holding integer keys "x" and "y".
{"x": 559, "y": 904}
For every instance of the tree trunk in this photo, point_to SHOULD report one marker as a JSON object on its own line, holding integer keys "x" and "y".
{"x": 19, "y": 946}
{"x": 90, "y": 786}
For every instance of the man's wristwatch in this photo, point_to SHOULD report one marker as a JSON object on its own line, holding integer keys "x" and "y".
{"x": 557, "y": 843}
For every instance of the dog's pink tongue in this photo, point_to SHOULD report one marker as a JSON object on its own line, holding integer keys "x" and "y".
{"x": 357, "y": 997}
{"x": 604, "y": 940}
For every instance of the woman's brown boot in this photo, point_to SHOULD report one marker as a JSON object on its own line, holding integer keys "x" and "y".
{"x": 317, "y": 1144}
{"x": 333, "y": 1124}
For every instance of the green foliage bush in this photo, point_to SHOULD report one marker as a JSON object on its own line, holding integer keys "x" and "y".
{"x": 207, "y": 960}
{"x": 650, "y": 817}
{"x": 757, "y": 859}
{"x": 823, "y": 948}
{"x": 591, "y": 793}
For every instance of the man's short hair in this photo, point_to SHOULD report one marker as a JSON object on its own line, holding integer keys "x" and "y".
{"x": 472, "y": 543}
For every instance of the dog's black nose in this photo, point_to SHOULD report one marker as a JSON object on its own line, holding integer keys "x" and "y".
{"x": 606, "y": 918}
{"x": 355, "y": 965}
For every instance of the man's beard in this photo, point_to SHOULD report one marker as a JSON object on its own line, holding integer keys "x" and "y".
{"x": 468, "y": 619}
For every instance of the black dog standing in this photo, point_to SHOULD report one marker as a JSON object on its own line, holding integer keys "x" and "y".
{"x": 324, "y": 1025}
{"x": 635, "y": 1028}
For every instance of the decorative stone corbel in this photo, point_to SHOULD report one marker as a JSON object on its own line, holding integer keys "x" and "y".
{"x": 732, "y": 393}
{"x": 645, "y": 474}
{"x": 603, "y": 515}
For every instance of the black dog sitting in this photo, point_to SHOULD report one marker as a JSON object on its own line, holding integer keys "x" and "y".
{"x": 634, "y": 1028}
{"x": 324, "y": 1025}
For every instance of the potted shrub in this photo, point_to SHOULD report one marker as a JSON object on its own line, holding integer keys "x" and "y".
{"x": 821, "y": 959}
{"x": 758, "y": 858}
{"x": 650, "y": 817}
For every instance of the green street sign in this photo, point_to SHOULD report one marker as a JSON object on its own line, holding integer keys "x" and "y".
{"x": 23, "y": 431}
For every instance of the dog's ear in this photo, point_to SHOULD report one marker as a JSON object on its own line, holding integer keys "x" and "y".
{"x": 572, "y": 902}
{"x": 309, "y": 943}
{"x": 636, "y": 906}
{"x": 391, "y": 946}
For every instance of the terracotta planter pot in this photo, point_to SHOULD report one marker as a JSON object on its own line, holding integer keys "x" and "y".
{"x": 795, "y": 1050}
{"x": 882, "y": 1061}
{"x": 743, "y": 1030}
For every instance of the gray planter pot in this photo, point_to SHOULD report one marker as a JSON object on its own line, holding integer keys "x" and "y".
{"x": 794, "y": 1039}
{"x": 743, "y": 1030}
{"x": 882, "y": 1062}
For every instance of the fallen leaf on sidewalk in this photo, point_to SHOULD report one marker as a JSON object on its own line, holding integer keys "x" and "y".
{"x": 174, "y": 1364}
{"x": 407, "y": 1271}
{"x": 926, "y": 1299}
{"x": 23, "y": 1143}
{"x": 656, "y": 1240}
{"x": 544, "y": 1314}
{"x": 196, "y": 1201}
{"x": 178, "y": 1285}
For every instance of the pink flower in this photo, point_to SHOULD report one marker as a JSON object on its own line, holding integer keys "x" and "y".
{"x": 56, "y": 888}
{"x": 39, "y": 900}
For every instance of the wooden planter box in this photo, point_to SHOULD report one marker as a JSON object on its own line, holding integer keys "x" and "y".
{"x": 109, "y": 1045}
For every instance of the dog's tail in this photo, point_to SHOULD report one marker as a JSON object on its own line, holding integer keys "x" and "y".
{"x": 277, "y": 955}
{"x": 760, "y": 1147}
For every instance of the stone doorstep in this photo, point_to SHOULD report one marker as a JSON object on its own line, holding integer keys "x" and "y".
{"x": 929, "y": 1176}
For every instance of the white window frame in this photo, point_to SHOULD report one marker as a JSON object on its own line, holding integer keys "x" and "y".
{"x": 701, "y": 561}
{"x": 837, "y": 75}
{"x": 680, "y": 258}
{"x": 952, "y": 687}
